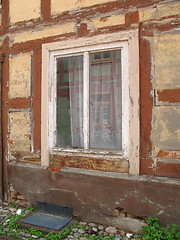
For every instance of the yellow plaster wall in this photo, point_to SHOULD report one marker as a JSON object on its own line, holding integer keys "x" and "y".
{"x": 20, "y": 75}
{"x": 166, "y": 128}
{"x": 46, "y": 32}
{"x": 19, "y": 131}
{"x": 159, "y": 11}
{"x": 23, "y": 10}
{"x": 109, "y": 21}
{"x": 59, "y": 6}
{"x": 166, "y": 52}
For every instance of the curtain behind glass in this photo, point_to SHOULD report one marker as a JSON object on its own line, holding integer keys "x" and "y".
{"x": 105, "y": 100}
{"x": 70, "y": 102}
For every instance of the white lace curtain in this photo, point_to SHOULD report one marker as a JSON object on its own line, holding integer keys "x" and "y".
{"x": 105, "y": 101}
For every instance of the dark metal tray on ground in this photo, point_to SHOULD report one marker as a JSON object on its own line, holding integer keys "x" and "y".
{"x": 49, "y": 216}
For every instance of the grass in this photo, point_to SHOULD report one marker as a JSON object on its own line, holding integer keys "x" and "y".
{"x": 154, "y": 232}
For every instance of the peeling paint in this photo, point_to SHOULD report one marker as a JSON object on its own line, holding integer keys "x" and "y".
{"x": 167, "y": 128}
{"x": 167, "y": 61}
{"x": 19, "y": 131}
{"x": 21, "y": 10}
{"x": 20, "y": 75}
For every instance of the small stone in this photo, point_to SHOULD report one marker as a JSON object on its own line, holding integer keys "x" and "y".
{"x": 92, "y": 224}
{"x": 19, "y": 211}
{"x": 81, "y": 231}
{"x": 6, "y": 229}
{"x": 21, "y": 233}
{"x": 111, "y": 230}
{"x": 12, "y": 209}
{"x": 116, "y": 211}
{"x": 87, "y": 228}
{"x": 82, "y": 223}
{"x": 94, "y": 230}
{"x": 117, "y": 237}
{"x": 122, "y": 215}
{"x": 42, "y": 239}
{"x": 77, "y": 235}
{"x": 100, "y": 233}
{"x": 122, "y": 232}
{"x": 27, "y": 211}
{"x": 20, "y": 197}
{"x": 136, "y": 235}
{"x": 2, "y": 217}
{"x": 129, "y": 235}
{"x": 74, "y": 229}
{"x": 5, "y": 211}
{"x": 101, "y": 228}
{"x": 34, "y": 236}
{"x": 82, "y": 238}
{"x": 28, "y": 235}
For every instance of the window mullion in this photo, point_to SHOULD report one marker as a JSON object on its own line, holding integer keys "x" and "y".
{"x": 86, "y": 101}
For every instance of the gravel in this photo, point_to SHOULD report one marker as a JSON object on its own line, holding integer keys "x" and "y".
{"x": 82, "y": 231}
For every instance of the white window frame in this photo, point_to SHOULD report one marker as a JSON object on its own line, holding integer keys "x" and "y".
{"x": 128, "y": 43}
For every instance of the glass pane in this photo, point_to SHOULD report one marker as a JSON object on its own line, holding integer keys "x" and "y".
{"x": 69, "y": 132}
{"x": 105, "y": 100}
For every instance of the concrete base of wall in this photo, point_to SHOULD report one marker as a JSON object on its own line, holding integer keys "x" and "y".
{"x": 94, "y": 195}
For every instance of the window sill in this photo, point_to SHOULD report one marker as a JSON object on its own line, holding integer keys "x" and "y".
{"x": 94, "y": 153}
{"x": 88, "y": 160}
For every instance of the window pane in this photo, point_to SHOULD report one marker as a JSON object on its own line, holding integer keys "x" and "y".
{"x": 105, "y": 100}
{"x": 69, "y": 102}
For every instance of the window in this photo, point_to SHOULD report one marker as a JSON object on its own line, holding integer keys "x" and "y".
{"x": 86, "y": 93}
{"x": 104, "y": 117}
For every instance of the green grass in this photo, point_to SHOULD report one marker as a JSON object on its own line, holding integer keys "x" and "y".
{"x": 154, "y": 232}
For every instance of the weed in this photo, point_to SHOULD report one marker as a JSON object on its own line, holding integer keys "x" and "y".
{"x": 13, "y": 204}
{"x": 154, "y": 232}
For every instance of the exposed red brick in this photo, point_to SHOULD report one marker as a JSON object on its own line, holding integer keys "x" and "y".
{"x": 46, "y": 9}
{"x": 53, "y": 169}
{"x": 131, "y": 17}
{"x": 103, "y": 19}
{"x": 169, "y": 95}
{"x": 17, "y": 103}
{"x": 146, "y": 102}
{"x": 167, "y": 169}
{"x": 148, "y": 28}
{"x": 87, "y": 163}
{"x": 82, "y": 30}
{"x": 11, "y": 142}
{"x": 146, "y": 166}
{"x": 168, "y": 154}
